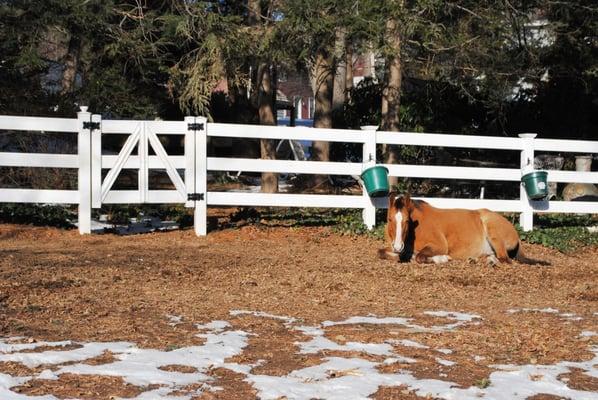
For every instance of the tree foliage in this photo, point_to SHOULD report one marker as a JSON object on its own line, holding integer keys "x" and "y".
{"x": 466, "y": 66}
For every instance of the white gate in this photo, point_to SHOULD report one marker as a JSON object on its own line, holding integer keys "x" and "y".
{"x": 189, "y": 189}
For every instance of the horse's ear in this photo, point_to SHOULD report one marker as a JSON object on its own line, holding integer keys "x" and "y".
{"x": 392, "y": 197}
{"x": 407, "y": 201}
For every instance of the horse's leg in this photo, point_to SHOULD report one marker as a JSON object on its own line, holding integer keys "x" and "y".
{"x": 433, "y": 251}
{"x": 430, "y": 254}
{"x": 500, "y": 234}
{"x": 498, "y": 245}
{"x": 388, "y": 254}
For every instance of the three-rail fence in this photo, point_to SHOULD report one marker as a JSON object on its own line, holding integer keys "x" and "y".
{"x": 94, "y": 189}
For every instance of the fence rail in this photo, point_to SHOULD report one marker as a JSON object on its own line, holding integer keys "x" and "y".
{"x": 191, "y": 189}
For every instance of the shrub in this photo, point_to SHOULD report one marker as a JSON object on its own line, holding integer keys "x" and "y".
{"x": 35, "y": 214}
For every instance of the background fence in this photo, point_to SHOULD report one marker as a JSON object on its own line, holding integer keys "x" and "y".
{"x": 191, "y": 188}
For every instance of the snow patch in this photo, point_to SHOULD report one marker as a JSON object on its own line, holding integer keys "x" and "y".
{"x": 174, "y": 320}
{"x": 370, "y": 320}
{"x": 399, "y": 359}
{"x": 547, "y": 310}
{"x": 87, "y": 351}
{"x": 459, "y": 316}
{"x": 335, "y": 378}
{"x": 444, "y": 362}
{"x": 214, "y": 326}
{"x": 320, "y": 343}
{"x": 410, "y": 343}
{"x": 288, "y": 320}
{"x": 8, "y": 345}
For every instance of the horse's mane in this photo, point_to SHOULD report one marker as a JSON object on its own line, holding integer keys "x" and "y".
{"x": 418, "y": 203}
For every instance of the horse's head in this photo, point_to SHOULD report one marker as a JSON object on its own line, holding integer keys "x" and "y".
{"x": 398, "y": 216}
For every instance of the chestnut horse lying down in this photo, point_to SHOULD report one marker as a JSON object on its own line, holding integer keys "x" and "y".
{"x": 437, "y": 235}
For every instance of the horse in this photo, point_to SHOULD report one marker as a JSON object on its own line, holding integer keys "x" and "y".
{"x": 435, "y": 235}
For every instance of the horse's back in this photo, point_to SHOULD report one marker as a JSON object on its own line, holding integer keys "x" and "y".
{"x": 457, "y": 221}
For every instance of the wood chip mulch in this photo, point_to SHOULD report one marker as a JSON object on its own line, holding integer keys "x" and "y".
{"x": 56, "y": 285}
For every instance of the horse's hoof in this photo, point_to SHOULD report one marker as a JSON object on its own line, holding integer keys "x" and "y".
{"x": 440, "y": 259}
{"x": 492, "y": 261}
{"x": 421, "y": 259}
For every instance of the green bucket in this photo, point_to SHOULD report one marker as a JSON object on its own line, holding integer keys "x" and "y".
{"x": 535, "y": 184}
{"x": 375, "y": 180}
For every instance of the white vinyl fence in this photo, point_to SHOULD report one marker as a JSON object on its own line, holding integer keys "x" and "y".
{"x": 93, "y": 191}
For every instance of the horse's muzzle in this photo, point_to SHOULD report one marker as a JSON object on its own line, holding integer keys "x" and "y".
{"x": 398, "y": 249}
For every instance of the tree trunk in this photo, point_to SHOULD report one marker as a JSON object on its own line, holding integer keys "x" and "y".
{"x": 349, "y": 70}
{"x": 339, "y": 94}
{"x": 267, "y": 114}
{"x": 255, "y": 77}
{"x": 71, "y": 64}
{"x": 324, "y": 81}
{"x": 265, "y": 96}
{"x": 391, "y": 94}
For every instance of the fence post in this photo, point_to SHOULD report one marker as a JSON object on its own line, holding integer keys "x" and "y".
{"x": 96, "y": 161}
{"x": 84, "y": 174}
{"x": 189, "y": 160}
{"x": 369, "y": 159}
{"x": 526, "y": 218}
{"x": 201, "y": 170}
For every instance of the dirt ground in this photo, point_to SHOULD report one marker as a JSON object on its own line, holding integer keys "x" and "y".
{"x": 57, "y": 285}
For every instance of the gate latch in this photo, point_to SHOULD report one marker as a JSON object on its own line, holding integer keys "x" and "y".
{"x": 196, "y": 126}
{"x": 93, "y": 126}
{"x": 195, "y": 196}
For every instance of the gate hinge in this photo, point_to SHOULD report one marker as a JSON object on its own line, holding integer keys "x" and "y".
{"x": 196, "y": 126}
{"x": 92, "y": 126}
{"x": 195, "y": 196}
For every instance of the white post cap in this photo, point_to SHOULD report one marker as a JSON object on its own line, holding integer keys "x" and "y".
{"x": 528, "y": 135}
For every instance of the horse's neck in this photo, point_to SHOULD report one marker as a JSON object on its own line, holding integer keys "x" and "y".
{"x": 421, "y": 211}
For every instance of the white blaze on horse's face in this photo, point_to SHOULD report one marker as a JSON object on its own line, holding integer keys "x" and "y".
{"x": 398, "y": 243}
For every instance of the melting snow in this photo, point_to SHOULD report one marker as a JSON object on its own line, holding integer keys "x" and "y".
{"x": 461, "y": 318}
{"x": 548, "y": 310}
{"x": 444, "y": 362}
{"x": 215, "y": 326}
{"x": 87, "y": 351}
{"x": 453, "y": 315}
{"x": 344, "y": 378}
{"x": 288, "y": 320}
{"x": 399, "y": 359}
{"x": 8, "y": 346}
{"x": 411, "y": 343}
{"x": 370, "y": 320}
{"x": 174, "y": 320}
{"x": 319, "y": 343}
